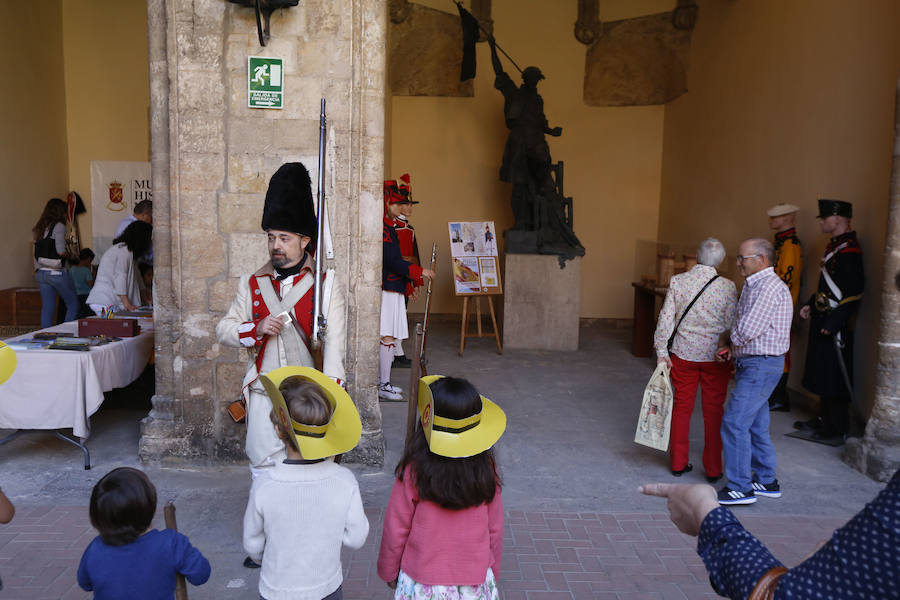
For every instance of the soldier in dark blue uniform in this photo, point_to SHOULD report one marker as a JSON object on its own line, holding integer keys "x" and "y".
{"x": 829, "y": 354}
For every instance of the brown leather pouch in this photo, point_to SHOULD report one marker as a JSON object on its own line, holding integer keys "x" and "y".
{"x": 237, "y": 411}
{"x": 765, "y": 587}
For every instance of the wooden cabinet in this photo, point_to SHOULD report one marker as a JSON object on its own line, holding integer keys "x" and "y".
{"x": 20, "y": 307}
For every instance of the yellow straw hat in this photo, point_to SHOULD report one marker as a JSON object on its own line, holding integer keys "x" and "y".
{"x": 459, "y": 438}
{"x": 7, "y": 362}
{"x": 340, "y": 434}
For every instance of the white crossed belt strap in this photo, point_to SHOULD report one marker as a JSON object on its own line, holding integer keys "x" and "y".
{"x": 838, "y": 295}
{"x": 295, "y": 343}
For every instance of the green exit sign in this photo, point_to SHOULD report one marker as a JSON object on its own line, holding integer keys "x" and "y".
{"x": 265, "y": 82}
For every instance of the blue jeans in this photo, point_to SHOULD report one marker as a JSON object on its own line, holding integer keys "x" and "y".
{"x": 51, "y": 284}
{"x": 745, "y": 426}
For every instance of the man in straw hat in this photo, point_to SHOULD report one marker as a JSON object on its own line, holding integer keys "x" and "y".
{"x": 299, "y": 516}
{"x": 271, "y": 316}
{"x": 829, "y": 353}
{"x": 788, "y": 266}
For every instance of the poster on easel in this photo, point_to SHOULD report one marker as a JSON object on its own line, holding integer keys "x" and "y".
{"x": 473, "y": 251}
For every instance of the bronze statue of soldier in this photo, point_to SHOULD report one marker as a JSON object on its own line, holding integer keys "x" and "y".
{"x": 537, "y": 201}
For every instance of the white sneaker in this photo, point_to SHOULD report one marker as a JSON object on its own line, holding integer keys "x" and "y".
{"x": 394, "y": 388}
{"x": 387, "y": 392}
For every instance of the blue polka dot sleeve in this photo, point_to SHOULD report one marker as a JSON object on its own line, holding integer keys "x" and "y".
{"x": 860, "y": 561}
{"x": 734, "y": 558}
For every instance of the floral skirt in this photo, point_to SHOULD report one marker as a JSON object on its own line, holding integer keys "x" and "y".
{"x": 407, "y": 589}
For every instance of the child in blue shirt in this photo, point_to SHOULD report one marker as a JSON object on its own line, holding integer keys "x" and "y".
{"x": 128, "y": 559}
{"x": 83, "y": 278}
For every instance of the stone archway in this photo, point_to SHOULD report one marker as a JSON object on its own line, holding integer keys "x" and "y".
{"x": 877, "y": 453}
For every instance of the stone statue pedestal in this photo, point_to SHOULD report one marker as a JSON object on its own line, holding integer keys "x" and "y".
{"x": 521, "y": 242}
{"x": 541, "y": 302}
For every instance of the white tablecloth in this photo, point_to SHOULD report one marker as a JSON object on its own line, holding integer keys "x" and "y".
{"x": 56, "y": 389}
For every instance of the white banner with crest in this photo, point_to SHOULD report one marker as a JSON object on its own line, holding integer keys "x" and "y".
{"x": 116, "y": 186}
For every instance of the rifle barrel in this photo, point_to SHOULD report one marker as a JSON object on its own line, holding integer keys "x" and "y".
{"x": 428, "y": 289}
{"x": 319, "y": 321}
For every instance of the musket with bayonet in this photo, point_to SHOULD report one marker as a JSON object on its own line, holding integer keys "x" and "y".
{"x": 320, "y": 321}
{"x": 419, "y": 364}
{"x": 423, "y": 362}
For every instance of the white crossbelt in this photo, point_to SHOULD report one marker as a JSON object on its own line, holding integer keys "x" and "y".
{"x": 835, "y": 290}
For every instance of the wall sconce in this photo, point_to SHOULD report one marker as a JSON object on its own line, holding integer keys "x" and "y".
{"x": 265, "y": 8}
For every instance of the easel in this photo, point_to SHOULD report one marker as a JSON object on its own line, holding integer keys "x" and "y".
{"x": 476, "y": 272}
{"x": 464, "y": 330}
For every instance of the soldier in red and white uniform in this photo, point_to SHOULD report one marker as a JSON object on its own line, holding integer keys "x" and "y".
{"x": 399, "y": 195}
{"x": 271, "y": 316}
{"x": 397, "y": 275}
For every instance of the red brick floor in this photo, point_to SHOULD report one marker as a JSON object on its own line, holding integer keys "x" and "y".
{"x": 547, "y": 555}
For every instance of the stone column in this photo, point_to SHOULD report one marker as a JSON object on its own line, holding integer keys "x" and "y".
{"x": 212, "y": 158}
{"x": 877, "y": 453}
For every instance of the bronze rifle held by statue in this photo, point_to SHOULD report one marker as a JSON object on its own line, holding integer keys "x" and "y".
{"x": 320, "y": 320}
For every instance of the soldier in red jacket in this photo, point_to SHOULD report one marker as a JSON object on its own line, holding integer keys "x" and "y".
{"x": 409, "y": 250}
{"x": 399, "y": 274}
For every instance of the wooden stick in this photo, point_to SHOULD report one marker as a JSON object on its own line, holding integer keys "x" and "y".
{"x": 180, "y": 585}
{"x": 412, "y": 411}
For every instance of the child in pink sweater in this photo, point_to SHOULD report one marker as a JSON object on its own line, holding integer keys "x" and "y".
{"x": 443, "y": 528}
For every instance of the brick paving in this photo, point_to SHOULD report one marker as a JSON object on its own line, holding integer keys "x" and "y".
{"x": 576, "y": 527}
{"x": 547, "y": 556}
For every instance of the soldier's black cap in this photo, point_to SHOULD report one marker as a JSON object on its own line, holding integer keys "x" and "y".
{"x": 532, "y": 73}
{"x": 289, "y": 202}
{"x": 829, "y": 208}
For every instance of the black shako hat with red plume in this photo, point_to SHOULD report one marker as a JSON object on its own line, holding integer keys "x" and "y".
{"x": 289, "y": 202}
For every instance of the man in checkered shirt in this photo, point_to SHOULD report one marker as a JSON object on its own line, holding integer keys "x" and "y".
{"x": 758, "y": 342}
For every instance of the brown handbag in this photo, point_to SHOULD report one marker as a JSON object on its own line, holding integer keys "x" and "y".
{"x": 765, "y": 587}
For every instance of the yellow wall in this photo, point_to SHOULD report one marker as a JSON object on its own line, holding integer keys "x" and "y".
{"x": 787, "y": 101}
{"x": 107, "y": 88}
{"x": 453, "y": 146}
{"x": 32, "y": 128}
{"x": 77, "y": 90}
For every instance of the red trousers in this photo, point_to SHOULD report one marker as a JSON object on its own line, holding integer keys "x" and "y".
{"x": 713, "y": 380}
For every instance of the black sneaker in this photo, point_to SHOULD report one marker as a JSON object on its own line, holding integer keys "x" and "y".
{"x": 768, "y": 490}
{"x": 730, "y": 496}
{"x": 251, "y": 564}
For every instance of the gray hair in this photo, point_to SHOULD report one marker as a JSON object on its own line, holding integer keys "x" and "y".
{"x": 710, "y": 252}
{"x": 764, "y": 248}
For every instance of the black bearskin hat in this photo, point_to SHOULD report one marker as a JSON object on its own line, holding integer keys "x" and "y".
{"x": 289, "y": 202}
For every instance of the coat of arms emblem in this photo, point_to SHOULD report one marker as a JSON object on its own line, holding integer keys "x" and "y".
{"x": 116, "y": 196}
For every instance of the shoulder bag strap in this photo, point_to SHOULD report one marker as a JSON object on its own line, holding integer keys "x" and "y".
{"x": 765, "y": 587}
{"x": 686, "y": 311}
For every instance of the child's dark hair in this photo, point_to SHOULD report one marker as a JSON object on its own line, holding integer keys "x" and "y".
{"x": 122, "y": 505}
{"x": 138, "y": 237}
{"x": 86, "y": 254}
{"x": 306, "y": 401}
{"x": 453, "y": 483}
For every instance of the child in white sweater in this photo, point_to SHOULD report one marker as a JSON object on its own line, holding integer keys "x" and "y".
{"x": 298, "y": 517}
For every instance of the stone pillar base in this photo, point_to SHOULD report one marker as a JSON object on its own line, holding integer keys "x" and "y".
{"x": 167, "y": 440}
{"x": 878, "y": 461}
{"x": 369, "y": 451}
{"x": 541, "y": 302}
